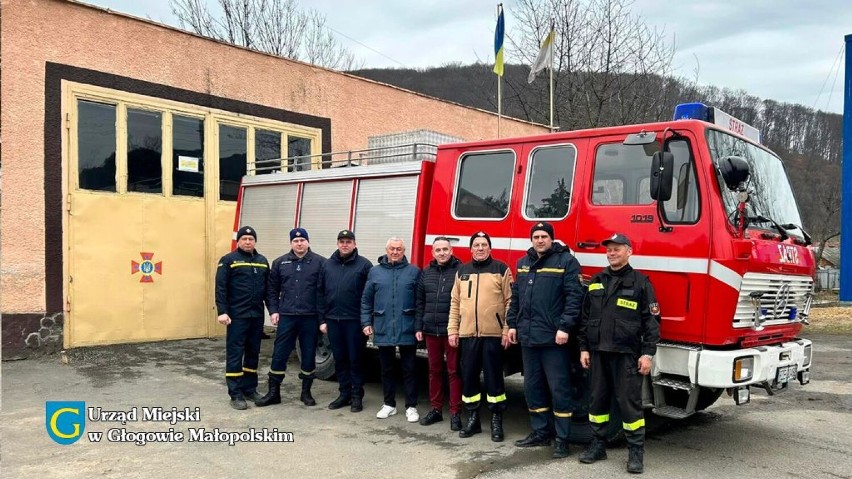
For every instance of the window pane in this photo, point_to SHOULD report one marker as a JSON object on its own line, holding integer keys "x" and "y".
{"x": 298, "y": 147}
{"x": 232, "y": 160}
{"x": 621, "y": 173}
{"x": 485, "y": 183}
{"x": 96, "y": 140}
{"x": 188, "y": 156}
{"x": 267, "y": 146}
{"x": 551, "y": 180}
{"x": 144, "y": 151}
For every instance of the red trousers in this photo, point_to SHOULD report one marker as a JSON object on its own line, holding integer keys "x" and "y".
{"x": 437, "y": 347}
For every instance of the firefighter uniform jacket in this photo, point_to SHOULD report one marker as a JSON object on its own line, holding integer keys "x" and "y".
{"x": 546, "y": 297}
{"x": 620, "y": 314}
{"x": 241, "y": 284}
{"x": 480, "y": 297}
{"x": 293, "y": 286}
{"x": 433, "y": 297}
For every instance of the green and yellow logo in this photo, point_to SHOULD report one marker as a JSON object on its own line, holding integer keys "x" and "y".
{"x": 65, "y": 420}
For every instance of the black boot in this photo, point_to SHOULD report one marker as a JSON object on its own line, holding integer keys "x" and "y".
{"x": 273, "y": 396}
{"x": 357, "y": 404}
{"x": 534, "y": 439}
{"x": 340, "y": 402}
{"x": 239, "y": 403}
{"x": 455, "y": 422}
{"x": 306, "y": 393}
{"x": 635, "y": 457}
{"x": 497, "y": 427}
{"x": 253, "y": 397}
{"x": 560, "y": 449}
{"x": 473, "y": 425}
{"x": 595, "y": 452}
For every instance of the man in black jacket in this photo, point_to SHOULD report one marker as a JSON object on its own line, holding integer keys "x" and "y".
{"x": 294, "y": 301}
{"x": 546, "y": 302}
{"x": 618, "y": 336}
{"x": 433, "y": 310}
{"x": 342, "y": 281}
{"x": 240, "y": 293}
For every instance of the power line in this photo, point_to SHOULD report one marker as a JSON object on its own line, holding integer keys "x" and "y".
{"x": 833, "y": 83}
{"x": 366, "y": 46}
{"x": 836, "y": 60}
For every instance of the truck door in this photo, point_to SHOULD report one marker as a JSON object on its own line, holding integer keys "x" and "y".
{"x": 545, "y": 188}
{"x": 472, "y": 191}
{"x": 675, "y": 257}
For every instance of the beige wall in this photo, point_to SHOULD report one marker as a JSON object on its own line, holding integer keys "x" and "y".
{"x": 38, "y": 31}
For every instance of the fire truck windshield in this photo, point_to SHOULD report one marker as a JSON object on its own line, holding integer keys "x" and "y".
{"x": 771, "y": 195}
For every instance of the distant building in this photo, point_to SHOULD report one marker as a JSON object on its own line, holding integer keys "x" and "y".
{"x": 123, "y": 145}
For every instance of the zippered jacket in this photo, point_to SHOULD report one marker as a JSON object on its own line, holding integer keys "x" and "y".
{"x": 481, "y": 294}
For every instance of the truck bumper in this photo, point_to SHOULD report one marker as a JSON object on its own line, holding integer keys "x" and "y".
{"x": 765, "y": 366}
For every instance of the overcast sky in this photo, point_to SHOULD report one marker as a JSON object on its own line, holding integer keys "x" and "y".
{"x": 784, "y": 50}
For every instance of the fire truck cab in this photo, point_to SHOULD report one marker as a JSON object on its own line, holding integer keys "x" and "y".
{"x": 710, "y": 212}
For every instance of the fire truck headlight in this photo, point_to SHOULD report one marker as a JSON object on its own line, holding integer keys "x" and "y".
{"x": 808, "y": 352}
{"x": 743, "y": 369}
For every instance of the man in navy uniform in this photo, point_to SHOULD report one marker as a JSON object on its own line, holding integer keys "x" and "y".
{"x": 546, "y": 302}
{"x": 240, "y": 293}
{"x": 294, "y": 301}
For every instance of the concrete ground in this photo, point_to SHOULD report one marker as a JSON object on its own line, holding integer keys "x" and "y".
{"x": 804, "y": 432}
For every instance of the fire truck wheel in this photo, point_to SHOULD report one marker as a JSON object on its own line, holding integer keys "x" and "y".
{"x": 325, "y": 361}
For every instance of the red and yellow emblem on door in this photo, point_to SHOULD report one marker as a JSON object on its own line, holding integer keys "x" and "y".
{"x": 147, "y": 267}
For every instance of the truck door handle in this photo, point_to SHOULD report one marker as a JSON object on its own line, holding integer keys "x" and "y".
{"x": 587, "y": 245}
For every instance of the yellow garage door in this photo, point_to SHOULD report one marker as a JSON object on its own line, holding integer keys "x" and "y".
{"x": 152, "y": 188}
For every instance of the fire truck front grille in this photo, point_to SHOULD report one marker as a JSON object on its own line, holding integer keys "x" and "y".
{"x": 784, "y": 296}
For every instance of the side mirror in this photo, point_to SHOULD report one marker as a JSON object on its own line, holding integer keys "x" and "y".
{"x": 734, "y": 171}
{"x": 662, "y": 175}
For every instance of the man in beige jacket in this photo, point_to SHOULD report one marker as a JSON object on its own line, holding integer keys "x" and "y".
{"x": 477, "y": 325}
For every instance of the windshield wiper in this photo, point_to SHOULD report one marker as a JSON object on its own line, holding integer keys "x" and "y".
{"x": 764, "y": 219}
{"x": 791, "y": 226}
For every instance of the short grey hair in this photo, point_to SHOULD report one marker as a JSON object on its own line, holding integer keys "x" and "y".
{"x": 394, "y": 239}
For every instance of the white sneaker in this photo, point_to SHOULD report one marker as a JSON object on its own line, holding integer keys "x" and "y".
{"x": 386, "y": 411}
{"x": 411, "y": 414}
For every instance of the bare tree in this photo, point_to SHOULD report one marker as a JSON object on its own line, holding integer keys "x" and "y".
{"x": 609, "y": 65}
{"x": 279, "y": 27}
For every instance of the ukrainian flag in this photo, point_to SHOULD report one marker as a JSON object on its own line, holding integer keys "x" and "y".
{"x": 498, "y": 42}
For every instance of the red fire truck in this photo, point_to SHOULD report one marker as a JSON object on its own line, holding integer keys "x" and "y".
{"x": 710, "y": 212}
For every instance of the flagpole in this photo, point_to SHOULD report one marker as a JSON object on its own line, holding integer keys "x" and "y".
{"x": 499, "y": 102}
{"x": 499, "y": 84}
{"x": 552, "y": 41}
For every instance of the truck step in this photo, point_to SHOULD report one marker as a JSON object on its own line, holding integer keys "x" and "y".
{"x": 672, "y": 412}
{"x": 673, "y": 383}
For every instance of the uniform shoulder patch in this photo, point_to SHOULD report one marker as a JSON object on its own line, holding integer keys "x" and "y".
{"x": 654, "y": 308}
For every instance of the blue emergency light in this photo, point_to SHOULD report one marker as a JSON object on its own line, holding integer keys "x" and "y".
{"x": 693, "y": 111}
{"x": 700, "y": 111}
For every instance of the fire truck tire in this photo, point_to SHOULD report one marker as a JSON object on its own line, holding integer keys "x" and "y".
{"x": 324, "y": 359}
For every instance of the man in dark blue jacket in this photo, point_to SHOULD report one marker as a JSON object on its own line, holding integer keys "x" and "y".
{"x": 434, "y": 292}
{"x": 546, "y": 301}
{"x": 294, "y": 301}
{"x": 240, "y": 293}
{"x": 387, "y": 312}
{"x": 342, "y": 281}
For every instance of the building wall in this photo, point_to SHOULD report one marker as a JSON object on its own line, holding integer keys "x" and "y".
{"x": 43, "y": 36}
